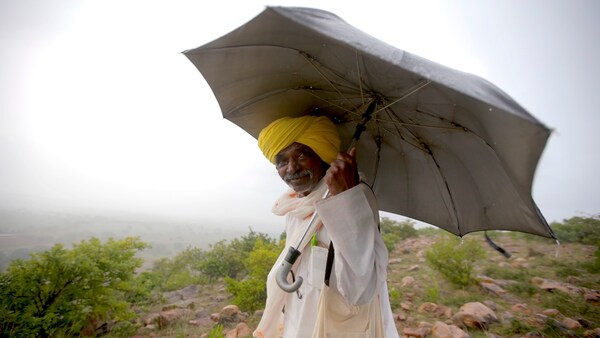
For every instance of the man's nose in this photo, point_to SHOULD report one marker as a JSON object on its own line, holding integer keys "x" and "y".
{"x": 293, "y": 165}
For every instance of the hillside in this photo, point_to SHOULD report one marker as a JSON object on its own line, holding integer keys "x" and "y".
{"x": 543, "y": 290}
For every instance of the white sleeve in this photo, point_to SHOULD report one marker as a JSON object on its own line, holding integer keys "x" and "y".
{"x": 351, "y": 219}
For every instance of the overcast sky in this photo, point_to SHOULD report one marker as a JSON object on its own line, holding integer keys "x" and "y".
{"x": 100, "y": 110}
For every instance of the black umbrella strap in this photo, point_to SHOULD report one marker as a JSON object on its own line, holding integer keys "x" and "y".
{"x": 329, "y": 266}
{"x": 496, "y": 246}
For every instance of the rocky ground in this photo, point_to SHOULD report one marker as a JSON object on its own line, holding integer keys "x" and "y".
{"x": 541, "y": 291}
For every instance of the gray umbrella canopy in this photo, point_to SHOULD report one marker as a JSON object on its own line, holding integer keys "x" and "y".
{"x": 444, "y": 147}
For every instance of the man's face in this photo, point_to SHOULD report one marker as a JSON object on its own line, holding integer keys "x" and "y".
{"x": 300, "y": 167}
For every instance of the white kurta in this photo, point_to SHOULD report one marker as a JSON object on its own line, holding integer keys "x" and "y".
{"x": 350, "y": 221}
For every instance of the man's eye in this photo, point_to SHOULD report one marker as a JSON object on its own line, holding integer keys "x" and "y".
{"x": 280, "y": 164}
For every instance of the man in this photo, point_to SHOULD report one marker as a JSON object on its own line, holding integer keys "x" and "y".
{"x": 305, "y": 152}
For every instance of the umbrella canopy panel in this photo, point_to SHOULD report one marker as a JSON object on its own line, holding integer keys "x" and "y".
{"x": 443, "y": 146}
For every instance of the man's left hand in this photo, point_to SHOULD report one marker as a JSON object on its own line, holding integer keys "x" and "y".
{"x": 342, "y": 173}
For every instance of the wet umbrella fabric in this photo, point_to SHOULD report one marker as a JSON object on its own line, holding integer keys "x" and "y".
{"x": 444, "y": 147}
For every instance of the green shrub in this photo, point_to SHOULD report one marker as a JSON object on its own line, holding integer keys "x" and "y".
{"x": 250, "y": 294}
{"x": 392, "y": 232}
{"x": 58, "y": 292}
{"x": 585, "y": 230}
{"x": 594, "y": 267}
{"x": 454, "y": 258}
{"x": 395, "y": 298}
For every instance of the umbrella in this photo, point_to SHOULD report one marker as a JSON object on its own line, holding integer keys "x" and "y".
{"x": 442, "y": 146}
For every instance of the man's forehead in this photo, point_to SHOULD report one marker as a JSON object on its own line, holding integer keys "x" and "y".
{"x": 295, "y": 147}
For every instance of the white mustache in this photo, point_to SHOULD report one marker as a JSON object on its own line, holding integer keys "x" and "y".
{"x": 299, "y": 174}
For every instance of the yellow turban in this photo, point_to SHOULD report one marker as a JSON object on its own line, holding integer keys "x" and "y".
{"x": 318, "y": 133}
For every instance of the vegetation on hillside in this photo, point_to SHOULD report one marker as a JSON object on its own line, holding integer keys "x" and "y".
{"x": 73, "y": 291}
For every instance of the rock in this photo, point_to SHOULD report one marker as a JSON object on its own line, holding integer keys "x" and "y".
{"x": 173, "y": 316}
{"x": 571, "y": 324}
{"x": 406, "y": 306}
{"x": 493, "y": 288}
{"x": 522, "y": 308}
{"x": 591, "y": 295}
{"x": 215, "y": 317}
{"x": 394, "y": 261}
{"x": 475, "y": 315}
{"x": 231, "y": 314}
{"x": 407, "y": 281}
{"x": 152, "y": 318}
{"x": 438, "y": 310}
{"x": 413, "y": 268}
{"x": 595, "y": 333}
{"x": 400, "y": 317}
{"x": 550, "y": 312}
{"x": 443, "y": 330}
{"x": 491, "y": 304}
{"x": 550, "y": 285}
{"x": 241, "y": 330}
{"x": 184, "y": 304}
{"x": 419, "y": 332}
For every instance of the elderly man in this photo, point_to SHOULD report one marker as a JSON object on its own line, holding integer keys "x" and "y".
{"x": 305, "y": 152}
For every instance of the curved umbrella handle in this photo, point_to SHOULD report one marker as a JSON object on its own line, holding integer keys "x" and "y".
{"x": 285, "y": 268}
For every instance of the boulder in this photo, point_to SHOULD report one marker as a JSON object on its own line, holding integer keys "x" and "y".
{"x": 419, "y": 332}
{"x": 493, "y": 288}
{"x": 475, "y": 315}
{"x": 172, "y": 316}
{"x": 438, "y": 310}
{"x": 551, "y": 285}
{"x": 571, "y": 324}
{"x": 241, "y": 330}
{"x": 443, "y": 330}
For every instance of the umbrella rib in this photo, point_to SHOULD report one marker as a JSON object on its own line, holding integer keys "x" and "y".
{"x": 408, "y": 93}
{"x": 310, "y": 60}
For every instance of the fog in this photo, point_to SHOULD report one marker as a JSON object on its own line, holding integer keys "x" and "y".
{"x": 101, "y": 113}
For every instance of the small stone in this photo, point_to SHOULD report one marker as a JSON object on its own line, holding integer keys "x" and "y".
{"x": 415, "y": 332}
{"x": 551, "y": 312}
{"x": 407, "y": 281}
{"x": 571, "y": 324}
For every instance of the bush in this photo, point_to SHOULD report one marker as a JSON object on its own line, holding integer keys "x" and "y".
{"x": 585, "y": 230}
{"x": 392, "y": 232}
{"x": 250, "y": 294}
{"x": 59, "y": 292}
{"x": 454, "y": 258}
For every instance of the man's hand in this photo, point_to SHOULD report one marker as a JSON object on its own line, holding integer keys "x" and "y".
{"x": 342, "y": 173}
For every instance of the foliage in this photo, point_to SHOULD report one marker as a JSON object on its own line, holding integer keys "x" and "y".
{"x": 584, "y": 230}
{"x": 59, "y": 292}
{"x": 454, "y": 258}
{"x": 227, "y": 260}
{"x": 395, "y": 297}
{"x": 392, "y": 232}
{"x": 174, "y": 273}
{"x": 594, "y": 267}
{"x": 216, "y": 332}
{"x": 250, "y": 294}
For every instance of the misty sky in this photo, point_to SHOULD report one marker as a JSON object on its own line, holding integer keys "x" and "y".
{"x": 100, "y": 110}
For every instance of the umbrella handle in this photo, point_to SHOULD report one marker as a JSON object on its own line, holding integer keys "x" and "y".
{"x": 285, "y": 268}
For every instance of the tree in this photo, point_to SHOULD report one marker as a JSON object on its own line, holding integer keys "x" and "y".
{"x": 59, "y": 292}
